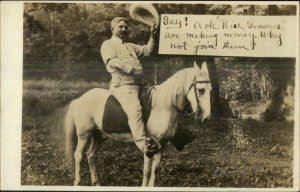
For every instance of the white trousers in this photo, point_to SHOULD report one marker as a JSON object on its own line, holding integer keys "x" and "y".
{"x": 127, "y": 95}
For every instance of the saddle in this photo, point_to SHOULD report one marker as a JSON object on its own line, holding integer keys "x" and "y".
{"x": 115, "y": 119}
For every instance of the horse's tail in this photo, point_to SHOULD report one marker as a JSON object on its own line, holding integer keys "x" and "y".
{"x": 71, "y": 137}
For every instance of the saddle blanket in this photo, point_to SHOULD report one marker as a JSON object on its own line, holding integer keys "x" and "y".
{"x": 115, "y": 119}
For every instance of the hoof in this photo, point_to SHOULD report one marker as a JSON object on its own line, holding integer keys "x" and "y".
{"x": 96, "y": 184}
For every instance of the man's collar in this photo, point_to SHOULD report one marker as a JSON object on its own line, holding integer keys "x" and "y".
{"x": 116, "y": 39}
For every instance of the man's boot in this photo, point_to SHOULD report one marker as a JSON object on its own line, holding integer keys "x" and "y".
{"x": 181, "y": 138}
{"x": 150, "y": 147}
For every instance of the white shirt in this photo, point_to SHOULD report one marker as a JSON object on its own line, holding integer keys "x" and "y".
{"x": 118, "y": 55}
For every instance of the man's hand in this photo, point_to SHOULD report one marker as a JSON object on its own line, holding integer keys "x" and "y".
{"x": 154, "y": 30}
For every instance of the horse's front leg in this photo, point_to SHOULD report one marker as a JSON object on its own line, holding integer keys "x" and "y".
{"x": 147, "y": 170}
{"x": 155, "y": 164}
{"x": 82, "y": 141}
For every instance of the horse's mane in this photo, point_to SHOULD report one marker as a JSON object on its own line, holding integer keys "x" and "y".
{"x": 173, "y": 91}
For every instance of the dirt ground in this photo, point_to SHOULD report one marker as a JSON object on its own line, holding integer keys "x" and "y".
{"x": 225, "y": 153}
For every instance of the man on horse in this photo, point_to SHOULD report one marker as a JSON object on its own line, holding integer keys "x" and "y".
{"x": 121, "y": 60}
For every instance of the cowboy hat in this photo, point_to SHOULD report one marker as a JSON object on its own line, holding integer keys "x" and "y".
{"x": 145, "y": 13}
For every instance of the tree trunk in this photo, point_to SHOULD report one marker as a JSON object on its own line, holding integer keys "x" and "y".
{"x": 263, "y": 88}
{"x": 155, "y": 73}
{"x": 252, "y": 89}
{"x": 215, "y": 101}
{"x": 281, "y": 74}
{"x": 52, "y": 25}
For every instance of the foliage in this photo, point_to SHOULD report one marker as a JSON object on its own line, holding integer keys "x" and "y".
{"x": 244, "y": 79}
{"x": 71, "y": 35}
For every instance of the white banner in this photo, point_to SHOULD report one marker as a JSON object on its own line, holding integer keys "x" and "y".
{"x": 227, "y": 35}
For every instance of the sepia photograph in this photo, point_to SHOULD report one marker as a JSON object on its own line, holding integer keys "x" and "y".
{"x": 173, "y": 95}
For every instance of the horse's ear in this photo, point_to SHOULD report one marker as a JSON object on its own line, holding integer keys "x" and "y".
{"x": 196, "y": 66}
{"x": 204, "y": 67}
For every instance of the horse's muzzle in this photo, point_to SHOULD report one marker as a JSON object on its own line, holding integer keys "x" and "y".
{"x": 202, "y": 117}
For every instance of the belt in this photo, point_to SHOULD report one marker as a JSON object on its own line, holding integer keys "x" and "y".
{"x": 119, "y": 78}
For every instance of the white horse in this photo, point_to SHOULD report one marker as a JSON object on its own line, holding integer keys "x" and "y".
{"x": 85, "y": 115}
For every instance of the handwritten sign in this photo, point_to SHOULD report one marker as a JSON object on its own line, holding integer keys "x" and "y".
{"x": 227, "y": 35}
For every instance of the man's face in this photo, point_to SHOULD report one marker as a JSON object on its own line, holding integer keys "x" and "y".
{"x": 120, "y": 30}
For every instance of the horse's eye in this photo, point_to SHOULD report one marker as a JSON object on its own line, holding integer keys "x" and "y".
{"x": 201, "y": 91}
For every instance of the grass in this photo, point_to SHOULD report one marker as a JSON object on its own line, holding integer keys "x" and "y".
{"x": 225, "y": 153}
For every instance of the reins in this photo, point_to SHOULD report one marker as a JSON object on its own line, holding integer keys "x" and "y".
{"x": 194, "y": 86}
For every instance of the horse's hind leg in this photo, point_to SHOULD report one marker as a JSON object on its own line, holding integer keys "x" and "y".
{"x": 82, "y": 141}
{"x": 95, "y": 143}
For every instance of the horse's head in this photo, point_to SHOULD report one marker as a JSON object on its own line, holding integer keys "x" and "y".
{"x": 199, "y": 92}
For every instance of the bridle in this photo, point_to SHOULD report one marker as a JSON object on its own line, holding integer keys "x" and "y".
{"x": 194, "y": 86}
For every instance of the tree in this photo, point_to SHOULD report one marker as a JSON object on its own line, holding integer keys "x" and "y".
{"x": 282, "y": 73}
